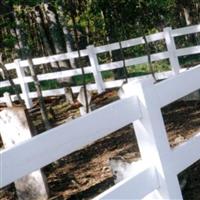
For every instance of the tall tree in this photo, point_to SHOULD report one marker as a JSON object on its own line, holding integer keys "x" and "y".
{"x": 68, "y": 37}
{"x": 55, "y": 31}
{"x": 72, "y": 7}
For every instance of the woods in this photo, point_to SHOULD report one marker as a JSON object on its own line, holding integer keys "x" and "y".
{"x": 54, "y": 27}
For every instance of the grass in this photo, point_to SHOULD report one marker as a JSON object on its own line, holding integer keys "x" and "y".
{"x": 187, "y": 61}
{"x": 9, "y": 90}
{"x": 45, "y": 85}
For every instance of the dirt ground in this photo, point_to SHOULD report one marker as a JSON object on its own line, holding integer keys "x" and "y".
{"x": 86, "y": 172}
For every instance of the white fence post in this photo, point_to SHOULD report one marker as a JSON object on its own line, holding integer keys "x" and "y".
{"x": 95, "y": 69}
{"x": 171, "y": 47}
{"x": 152, "y": 138}
{"x": 23, "y": 84}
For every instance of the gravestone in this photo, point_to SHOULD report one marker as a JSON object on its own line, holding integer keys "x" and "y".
{"x": 8, "y": 99}
{"x": 69, "y": 96}
{"x": 14, "y": 129}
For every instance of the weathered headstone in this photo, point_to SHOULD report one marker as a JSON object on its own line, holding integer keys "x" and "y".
{"x": 8, "y": 99}
{"x": 14, "y": 129}
{"x": 69, "y": 96}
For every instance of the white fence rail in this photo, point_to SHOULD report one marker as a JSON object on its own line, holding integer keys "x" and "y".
{"x": 141, "y": 105}
{"x": 95, "y": 68}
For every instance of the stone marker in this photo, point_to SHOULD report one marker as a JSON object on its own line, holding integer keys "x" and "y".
{"x": 15, "y": 128}
{"x": 69, "y": 96}
{"x": 8, "y": 100}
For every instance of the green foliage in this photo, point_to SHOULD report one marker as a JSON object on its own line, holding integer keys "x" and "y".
{"x": 45, "y": 85}
{"x": 9, "y": 41}
{"x": 8, "y": 89}
{"x": 97, "y": 21}
{"x": 23, "y": 2}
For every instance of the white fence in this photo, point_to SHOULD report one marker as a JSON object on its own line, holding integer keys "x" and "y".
{"x": 95, "y": 68}
{"x": 141, "y": 105}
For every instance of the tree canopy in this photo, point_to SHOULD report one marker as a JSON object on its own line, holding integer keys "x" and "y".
{"x": 48, "y": 27}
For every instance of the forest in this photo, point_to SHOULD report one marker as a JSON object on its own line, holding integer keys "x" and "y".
{"x": 40, "y": 28}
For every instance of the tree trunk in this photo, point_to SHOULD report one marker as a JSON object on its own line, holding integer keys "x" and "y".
{"x": 43, "y": 109}
{"x": 43, "y": 36}
{"x": 148, "y": 51}
{"x": 82, "y": 68}
{"x": 55, "y": 32}
{"x": 20, "y": 38}
{"x": 69, "y": 41}
{"x": 113, "y": 35}
{"x": 38, "y": 45}
{"x": 16, "y": 47}
{"x": 188, "y": 18}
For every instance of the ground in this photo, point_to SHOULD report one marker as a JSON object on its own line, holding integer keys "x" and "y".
{"x": 86, "y": 172}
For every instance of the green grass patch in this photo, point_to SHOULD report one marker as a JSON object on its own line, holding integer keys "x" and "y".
{"x": 9, "y": 90}
{"x": 78, "y": 80}
{"x": 143, "y": 69}
{"x": 190, "y": 60}
{"x": 45, "y": 85}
